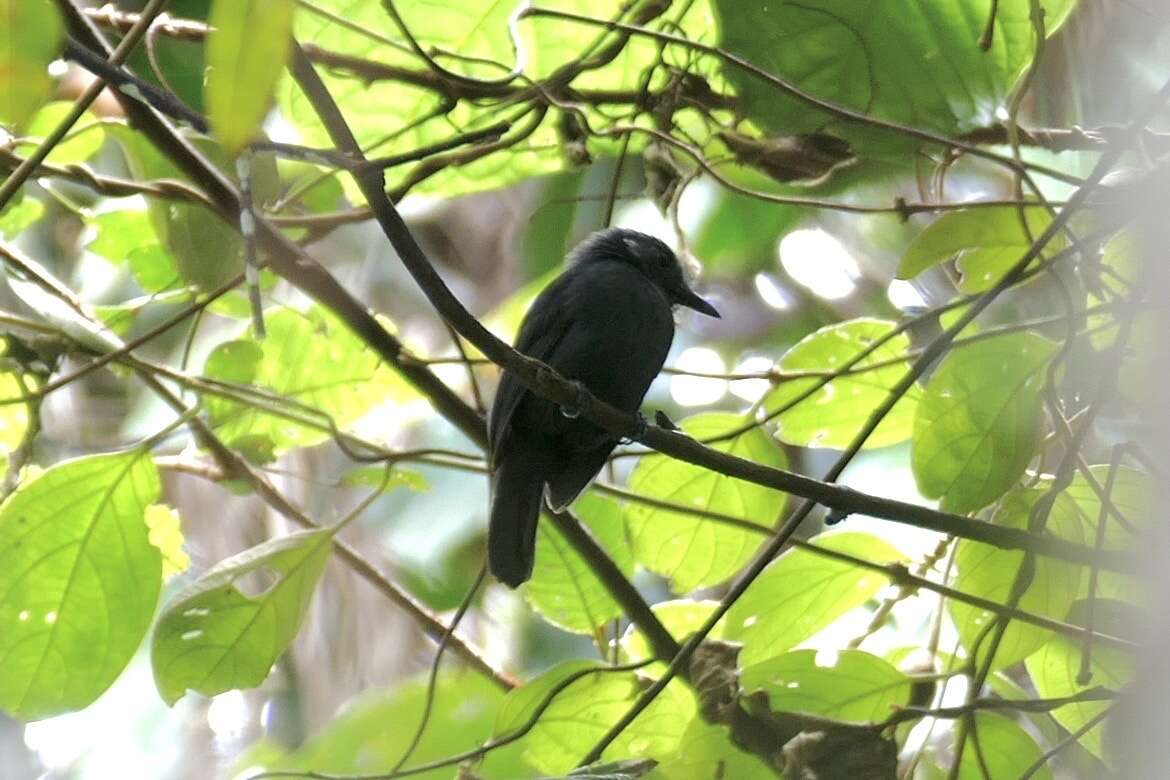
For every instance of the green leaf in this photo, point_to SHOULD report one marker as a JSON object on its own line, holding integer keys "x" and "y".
{"x": 1054, "y": 670}
{"x": 987, "y": 571}
{"x": 563, "y": 589}
{"x": 706, "y": 751}
{"x": 695, "y": 552}
{"x": 79, "y": 144}
{"x": 870, "y": 57}
{"x": 832, "y": 415}
{"x": 1006, "y": 750}
{"x": 582, "y": 712}
{"x": 32, "y": 39}
{"x": 979, "y": 420}
{"x": 17, "y": 216}
{"x": 359, "y": 741}
{"x": 206, "y": 250}
{"x": 376, "y": 476}
{"x": 850, "y": 685}
{"x": 79, "y": 581}
{"x": 246, "y": 52}
{"x": 988, "y": 241}
{"x": 288, "y": 363}
{"x": 681, "y": 617}
{"x": 213, "y": 637}
{"x": 800, "y": 593}
{"x": 1131, "y": 496}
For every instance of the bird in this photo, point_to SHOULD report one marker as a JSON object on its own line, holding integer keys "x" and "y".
{"x": 606, "y": 322}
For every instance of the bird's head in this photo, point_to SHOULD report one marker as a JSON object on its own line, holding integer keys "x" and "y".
{"x": 650, "y": 256}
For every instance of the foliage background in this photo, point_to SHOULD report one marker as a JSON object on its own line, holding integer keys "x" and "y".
{"x": 141, "y": 556}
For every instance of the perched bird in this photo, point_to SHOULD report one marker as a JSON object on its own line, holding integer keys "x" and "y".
{"x": 607, "y": 322}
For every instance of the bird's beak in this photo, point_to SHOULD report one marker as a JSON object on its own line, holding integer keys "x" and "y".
{"x": 689, "y": 298}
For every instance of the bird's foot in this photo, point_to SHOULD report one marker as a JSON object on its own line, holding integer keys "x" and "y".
{"x": 641, "y": 425}
{"x": 582, "y": 395}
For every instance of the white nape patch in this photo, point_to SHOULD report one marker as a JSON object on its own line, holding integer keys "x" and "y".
{"x": 643, "y": 216}
{"x": 819, "y": 262}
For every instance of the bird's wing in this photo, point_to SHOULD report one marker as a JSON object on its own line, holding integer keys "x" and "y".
{"x": 544, "y": 326}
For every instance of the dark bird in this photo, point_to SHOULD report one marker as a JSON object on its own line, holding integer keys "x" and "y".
{"x": 606, "y": 322}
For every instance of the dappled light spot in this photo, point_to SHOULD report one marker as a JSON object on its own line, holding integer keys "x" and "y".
{"x": 698, "y": 390}
{"x": 818, "y": 261}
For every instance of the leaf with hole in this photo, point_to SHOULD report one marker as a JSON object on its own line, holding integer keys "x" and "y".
{"x": 849, "y": 685}
{"x": 227, "y": 628}
{"x": 832, "y": 415}
{"x": 800, "y": 593}
{"x": 695, "y": 551}
{"x": 79, "y": 581}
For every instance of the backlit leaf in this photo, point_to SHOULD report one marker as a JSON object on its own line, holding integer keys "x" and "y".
{"x": 79, "y": 581}
{"x": 691, "y": 550}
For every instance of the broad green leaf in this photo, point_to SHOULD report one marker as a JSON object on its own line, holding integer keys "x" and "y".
{"x": 1054, "y": 670}
{"x": 582, "y": 711}
{"x": 79, "y": 581}
{"x": 681, "y": 618}
{"x": 563, "y": 589}
{"x": 706, "y": 751}
{"x": 373, "y": 732}
{"x": 213, "y": 637}
{"x": 832, "y": 415}
{"x": 78, "y": 145}
{"x": 979, "y": 420}
{"x": 849, "y": 685}
{"x": 988, "y": 242}
{"x": 206, "y": 250}
{"x": 870, "y": 57}
{"x": 128, "y": 236}
{"x": 31, "y": 40}
{"x": 289, "y": 362}
{"x": 800, "y": 593}
{"x": 392, "y": 116}
{"x": 987, "y": 571}
{"x": 693, "y": 551}
{"x": 19, "y": 215}
{"x": 246, "y": 53}
{"x": 1131, "y": 496}
{"x": 998, "y": 747}
{"x": 376, "y": 476}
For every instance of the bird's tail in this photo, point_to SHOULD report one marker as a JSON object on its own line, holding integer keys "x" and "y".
{"x": 517, "y": 489}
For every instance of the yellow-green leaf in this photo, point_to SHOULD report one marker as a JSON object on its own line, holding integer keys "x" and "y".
{"x": 30, "y": 39}
{"x": 246, "y": 53}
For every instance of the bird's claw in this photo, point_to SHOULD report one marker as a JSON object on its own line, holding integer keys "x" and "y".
{"x": 582, "y": 395}
{"x": 641, "y": 425}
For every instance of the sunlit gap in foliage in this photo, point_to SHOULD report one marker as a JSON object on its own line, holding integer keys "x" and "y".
{"x": 905, "y": 295}
{"x": 698, "y": 390}
{"x": 819, "y": 262}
